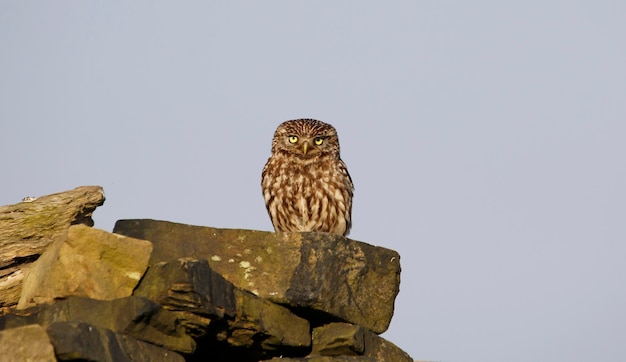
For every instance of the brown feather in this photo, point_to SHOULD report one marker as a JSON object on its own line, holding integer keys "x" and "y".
{"x": 312, "y": 191}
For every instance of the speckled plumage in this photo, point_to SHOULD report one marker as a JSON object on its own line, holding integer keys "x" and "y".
{"x": 306, "y": 185}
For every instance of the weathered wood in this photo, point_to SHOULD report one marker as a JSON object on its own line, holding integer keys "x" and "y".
{"x": 29, "y": 227}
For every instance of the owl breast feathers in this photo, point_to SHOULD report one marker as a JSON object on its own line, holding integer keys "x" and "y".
{"x": 306, "y": 185}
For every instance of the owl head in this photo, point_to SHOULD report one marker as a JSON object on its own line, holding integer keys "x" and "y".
{"x": 306, "y": 139}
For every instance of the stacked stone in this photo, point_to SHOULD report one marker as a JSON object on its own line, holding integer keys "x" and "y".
{"x": 161, "y": 291}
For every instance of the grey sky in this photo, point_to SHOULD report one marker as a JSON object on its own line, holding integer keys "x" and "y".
{"x": 485, "y": 140}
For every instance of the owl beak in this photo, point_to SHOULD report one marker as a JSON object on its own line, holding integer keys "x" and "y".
{"x": 305, "y": 147}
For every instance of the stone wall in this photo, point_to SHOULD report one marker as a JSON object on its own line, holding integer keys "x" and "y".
{"x": 161, "y": 291}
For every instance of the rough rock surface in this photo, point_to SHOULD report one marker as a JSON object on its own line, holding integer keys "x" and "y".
{"x": 85, "y": 342}
{"x": 134, "y": 316}
{"x": 28, "y": 343}
{"x": 93, "y": 253}
{"x": 198, "y": 293}
{"x": 339, "y": 278}
{"x": 28, "y": 228}
{"x": 232, "y": 318}
{"x": 337, "y": 339}
{"x": 344, "y": 339}
{"x": 326, "y": 359}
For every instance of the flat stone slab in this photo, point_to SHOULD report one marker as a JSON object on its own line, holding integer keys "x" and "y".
{"x": 110, "y": 267}
{"x": 331, "y": 276}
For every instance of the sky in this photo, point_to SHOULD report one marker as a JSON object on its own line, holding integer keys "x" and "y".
{"x": 485, "y": 140}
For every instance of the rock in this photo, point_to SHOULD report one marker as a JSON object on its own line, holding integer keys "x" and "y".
{"x": 325, "y": 359}
{"x": 162, "y": 291}
{"x": 270, "y": 325}
{"x": 134, "y": 316}
{"x": 241, "y": 323}
{"x": 28, "y": 343}
{"x": 336, "y": 339}
{"x": 85, "y": 342}
{"x": 190, "y": 285}
{"x": 382, "y": 350}
{"x": 330, "y": 277}
{"x": 28, "y": 228}
{"x": 109, "y": 266}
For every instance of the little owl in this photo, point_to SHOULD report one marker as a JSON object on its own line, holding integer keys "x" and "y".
{"x": 305, "y": 183}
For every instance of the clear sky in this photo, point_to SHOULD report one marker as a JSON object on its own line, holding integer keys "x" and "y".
{"x": 486, "y": 141}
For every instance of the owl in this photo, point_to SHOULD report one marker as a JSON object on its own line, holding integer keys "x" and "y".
{"x": 306, "y": 185}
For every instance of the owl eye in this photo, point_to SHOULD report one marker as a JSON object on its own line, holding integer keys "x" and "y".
{"x": 293, "y": 139}
{"x": 318, "y": 141}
